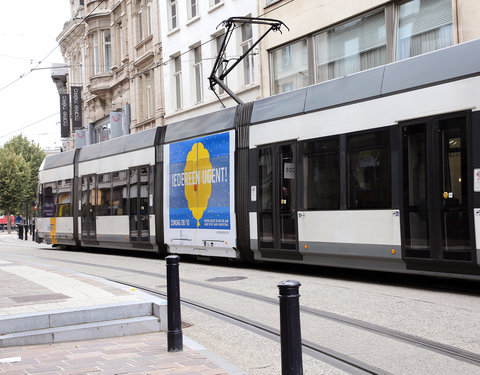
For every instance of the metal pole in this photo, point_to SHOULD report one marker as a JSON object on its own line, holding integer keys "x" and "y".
{"x": 290, "y": 332}
{"x": 25, "y": 223}
{"x": 174, "y": 332}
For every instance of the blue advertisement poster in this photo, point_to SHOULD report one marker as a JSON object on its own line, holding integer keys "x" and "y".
{"x": 199, "y": 183}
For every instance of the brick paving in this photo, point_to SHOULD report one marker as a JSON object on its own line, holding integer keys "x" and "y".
{"x": 140, "y": 354}
{"x": 28, "y": 289}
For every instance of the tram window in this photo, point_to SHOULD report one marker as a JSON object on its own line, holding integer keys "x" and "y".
{"x": 265, "y": 179}
{"x": 144, "y": 191}
{"x": 64, "y": 198}
{"x": 119, "y": 193}
{"x": 321, "y": 175}
{"x": 84, "y": 188}
{"x": 49, "y": 197}
{"x": 64, "y": 204}
{"x": 368, "y": 166}
{"x": 104, "y": 194}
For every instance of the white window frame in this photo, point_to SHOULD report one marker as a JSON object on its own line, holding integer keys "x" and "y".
{"x": 214, "y": 3}
{"x": 248, "y": 61}
{"x": 149, "y": 17}
{"x": 177, "y": 82}
{"x": 107, "y": 50}
{"x": 172, "y": 10}
{"x": 140, "y": 21}
{"x": 196, "y": 58}
{"x": 149, "y": 94}
{"x": 96, "y": 54}
{"x": 216, "y": 49}
{"x": 192, "y": 8}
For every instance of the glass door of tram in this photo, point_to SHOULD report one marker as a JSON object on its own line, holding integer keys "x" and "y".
{"x": 88, "y": 214}
{"x": 437, "y": 211}
{"x": 139, "y": 205}
{"x": 277, "y": 207}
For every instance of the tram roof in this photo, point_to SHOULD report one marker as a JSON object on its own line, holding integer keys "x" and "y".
{"x": 131, "y": 142}
{"x": 440, "y": 66}
{"x": 58, "y": 160}
{"x": 201, "y": 125}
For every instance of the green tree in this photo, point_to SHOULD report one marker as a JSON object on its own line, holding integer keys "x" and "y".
{"x": 14, "y": 178}
{"x": 33, "y": 155}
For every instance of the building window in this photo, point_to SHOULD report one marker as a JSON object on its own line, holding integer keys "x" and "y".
{"x": 289, "y": 67}
{"x": 139, "y": 21}
{"x": 102, "y": 133}
{"x": 248, "y": 62}
{"x": 102, "y": 51}
{"x": 423, "y": 26}
{"x": 321, "y": 174}
{"x": 367, "y": 41}
{"x": 172, "y": 14}
{"x": 96, "y": 55}
{"x": 192, "y": 8}
{"x": 215, "y": 2}
{"x": 149, "y": 17}
{"x": 107, "y": 50}
{"x": 223, "y": 67}
{"x": 149, "y": 94}
{"x": 351, "y": 47}
{"x": 177, "y": 76}
{"x": 118, "y": 48}
{"x": 197, "y": 73}
{"x": 368, "y": 170}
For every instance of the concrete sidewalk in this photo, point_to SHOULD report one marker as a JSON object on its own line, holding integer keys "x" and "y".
{"x": 32, "y": 295}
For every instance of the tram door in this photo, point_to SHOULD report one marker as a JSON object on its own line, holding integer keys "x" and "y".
{"x": 277, "y": 206}
{"x": 88, "y": 218}
{"x": 437, "y": 221}
{"x": 138, "y": 197}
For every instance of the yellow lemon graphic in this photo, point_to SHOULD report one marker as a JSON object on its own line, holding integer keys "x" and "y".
{"x": 197, "y": 190}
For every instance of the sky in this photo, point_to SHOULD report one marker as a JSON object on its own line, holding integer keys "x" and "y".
{"x": 30, "y": 105}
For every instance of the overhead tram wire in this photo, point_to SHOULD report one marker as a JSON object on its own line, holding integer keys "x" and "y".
{"x": 136, "y": 75}
{"x": 53, "y": 50}
{"x": 200, "y": 45}
{"x": 27, "y": 126}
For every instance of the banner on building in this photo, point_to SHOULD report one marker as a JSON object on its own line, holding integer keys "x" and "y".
{"x": 116, "y": 121}
{"x": 64, "y": 116}
{"x": 76, "y": 94}
{"x": 80, "y": 138}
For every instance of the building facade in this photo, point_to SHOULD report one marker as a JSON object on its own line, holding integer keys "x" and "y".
{"x": 146, "y": 63}
{"x": 331, "y": 39}
{"x": 192, "y": 35}
{"x": 113, "y": 52}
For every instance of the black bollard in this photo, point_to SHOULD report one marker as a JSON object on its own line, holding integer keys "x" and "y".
{"x": 25, "y": 226}
{"x": 290, "y": 332}
{"x": 174, "y": 333}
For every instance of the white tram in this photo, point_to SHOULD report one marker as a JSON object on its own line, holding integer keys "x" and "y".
{"x": 377, "y": 170}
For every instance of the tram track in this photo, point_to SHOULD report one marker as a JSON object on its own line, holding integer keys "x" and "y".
{"x": 312, "y": 349}
{"x": 339, "y": 360}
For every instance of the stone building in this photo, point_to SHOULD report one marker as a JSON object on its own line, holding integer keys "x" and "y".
{"x": 113, "y": 52}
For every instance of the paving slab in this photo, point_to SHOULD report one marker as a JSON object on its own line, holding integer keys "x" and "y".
{"x": 31, "y": 292}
